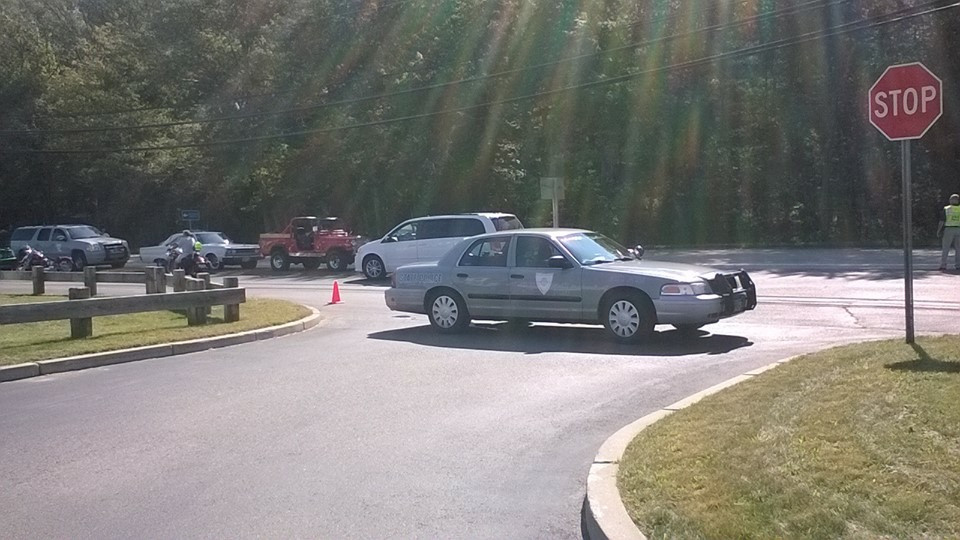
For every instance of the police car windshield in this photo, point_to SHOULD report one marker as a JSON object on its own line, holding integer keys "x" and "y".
{"x": 595, "y": 248}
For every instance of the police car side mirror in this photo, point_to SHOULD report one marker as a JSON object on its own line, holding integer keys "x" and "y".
{"x": 389, "y": 239}
{"x": 637, "y": 251}
{"x": 559, "y": 261}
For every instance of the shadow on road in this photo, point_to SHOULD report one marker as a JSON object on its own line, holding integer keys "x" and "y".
{"x": 925, "y": 363}
{"x": 571, "y": 339}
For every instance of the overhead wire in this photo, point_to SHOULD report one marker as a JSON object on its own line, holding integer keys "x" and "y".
{"x": 846, "y": 28}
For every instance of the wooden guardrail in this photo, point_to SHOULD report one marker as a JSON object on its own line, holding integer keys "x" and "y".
{"x": 191, "y": 296}
{"x": 81, "y": 309}
{"x": 152, "y": 276}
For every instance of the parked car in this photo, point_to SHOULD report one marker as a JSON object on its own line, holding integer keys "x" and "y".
{"x": 566, "y": 275}
{"x": 219, "y": 250}
{"x": 426, "y": 239}
{"x": 310, "y": 241}
{"x": 8, "y": 259}
{"x": 84, "y": 244}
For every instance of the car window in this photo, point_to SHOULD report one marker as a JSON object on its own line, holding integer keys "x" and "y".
{"x": 23, "y": 234}
{"x": 461, "y": 227}
{"x": 59, "y": 236}
{"x": 506, "y": 223}
{"x": 434, "y": 228}
{"x": 406, "y": 232}
{"x": 171, "y": 239}
{"x": 535, "y": 252}
{"x": 44, "y": 234}
{"x": 487, "y": 252}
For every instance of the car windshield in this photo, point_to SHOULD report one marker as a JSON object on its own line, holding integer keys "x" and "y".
{"x": 86, "y": 231}
{"x": 212, "y": 238}
{"x": 595, "y": 248}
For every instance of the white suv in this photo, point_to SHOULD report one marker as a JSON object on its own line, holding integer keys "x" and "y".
{"x": 426, "y": 239}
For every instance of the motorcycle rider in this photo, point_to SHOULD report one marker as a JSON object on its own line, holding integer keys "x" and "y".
{"x": 189, "y": 262}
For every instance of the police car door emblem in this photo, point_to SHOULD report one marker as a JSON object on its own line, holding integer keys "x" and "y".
{"x": 544, "y": 281}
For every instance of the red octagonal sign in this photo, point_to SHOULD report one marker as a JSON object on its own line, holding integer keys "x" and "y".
{"x": 905, "y": 101}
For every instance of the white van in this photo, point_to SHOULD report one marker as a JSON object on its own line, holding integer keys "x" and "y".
{"x": 426, "y": 239}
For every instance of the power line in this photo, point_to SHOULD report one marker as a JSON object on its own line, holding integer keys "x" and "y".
{"x": 846, "y": 28}
{"x": 795, "y": 9}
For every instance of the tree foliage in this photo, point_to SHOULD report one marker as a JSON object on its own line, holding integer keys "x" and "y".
{"x": 759, "y": 149}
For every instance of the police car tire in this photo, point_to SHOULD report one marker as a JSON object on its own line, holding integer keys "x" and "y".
{"x": 447, "y": 312}
{"x": 629, "y": 303}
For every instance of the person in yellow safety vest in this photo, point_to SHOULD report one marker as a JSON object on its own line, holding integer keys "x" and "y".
{"x": 949, "y": 231}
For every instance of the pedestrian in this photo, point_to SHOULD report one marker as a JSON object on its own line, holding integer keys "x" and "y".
{"x": 948, "y": 230}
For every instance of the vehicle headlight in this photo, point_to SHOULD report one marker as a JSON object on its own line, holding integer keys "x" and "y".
{"x": 94, "y": 247}
{"x": 685, "y": 289}
{"x": 230, "y": 253}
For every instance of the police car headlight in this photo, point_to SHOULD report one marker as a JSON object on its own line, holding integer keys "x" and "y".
{"x": 685, "y": 289}
{"x": 94, "y": 247}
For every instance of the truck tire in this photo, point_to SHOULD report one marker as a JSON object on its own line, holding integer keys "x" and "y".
{"x": 336, "y": 261}
{"x": 279, "y": 261}
{"x": 249, "y": 265}
{"x": 79, "y": 260}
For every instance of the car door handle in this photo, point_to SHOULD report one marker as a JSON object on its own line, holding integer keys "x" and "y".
{"x": 516, "y": 276}
{"x": 463, "y": 275}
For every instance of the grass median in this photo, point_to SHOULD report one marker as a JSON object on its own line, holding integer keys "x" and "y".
{"x": 46, "y": 340}
{"x": 858, "y": 442}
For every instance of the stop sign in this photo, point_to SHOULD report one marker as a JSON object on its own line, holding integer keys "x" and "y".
{"x": 905, "y": 101}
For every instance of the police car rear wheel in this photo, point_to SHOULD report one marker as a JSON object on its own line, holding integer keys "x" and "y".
{"x": 447, "y": 312}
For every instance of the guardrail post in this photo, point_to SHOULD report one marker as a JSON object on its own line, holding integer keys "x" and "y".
{"x": 37, "y": 277}
{"x": 231, "y": 312}
{"x": 179, "y": 280}
{"x": 155, "y": 280}
{"x": 90, "y": 279}
{"x": 80, "y": 328}
{"x": 205, "y": 277}
{"x": 198, "y": 315}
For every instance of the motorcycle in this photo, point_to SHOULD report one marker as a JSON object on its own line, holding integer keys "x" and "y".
{"x": 170, "y": 263}
{"x": 28, "y": 258}
{"x": 194, "y": 264}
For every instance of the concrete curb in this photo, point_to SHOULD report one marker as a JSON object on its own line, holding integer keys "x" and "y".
{"x": 604, "y": 515}
{"x": 85, "y": 361}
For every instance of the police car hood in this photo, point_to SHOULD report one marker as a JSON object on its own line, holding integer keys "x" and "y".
{"x": 659, "y": 269}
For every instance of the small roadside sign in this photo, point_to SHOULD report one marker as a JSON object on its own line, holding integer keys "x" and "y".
{"x": 189, "y": 215}
{"x": 551, "y": 186}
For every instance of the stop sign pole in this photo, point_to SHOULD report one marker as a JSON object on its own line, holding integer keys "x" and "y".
{"x": 904, "y": 103}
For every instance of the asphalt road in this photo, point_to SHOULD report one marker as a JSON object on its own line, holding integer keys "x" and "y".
{"x": 373, "y": 426}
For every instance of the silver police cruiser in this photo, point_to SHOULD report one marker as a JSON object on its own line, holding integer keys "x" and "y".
{"x": 566, "y": 276}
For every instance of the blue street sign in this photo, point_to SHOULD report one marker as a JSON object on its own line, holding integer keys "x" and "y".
{"x": 189, "y": 215}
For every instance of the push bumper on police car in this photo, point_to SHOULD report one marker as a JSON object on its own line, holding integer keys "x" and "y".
{"x": 730, "y": 294}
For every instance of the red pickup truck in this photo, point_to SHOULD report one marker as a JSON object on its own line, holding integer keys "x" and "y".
{"x": 310, "y": 241}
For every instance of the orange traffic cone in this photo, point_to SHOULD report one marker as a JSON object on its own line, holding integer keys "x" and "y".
{"x": 336, "y": 293}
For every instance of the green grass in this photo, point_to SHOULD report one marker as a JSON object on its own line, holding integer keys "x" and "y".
{"x": 45, "y": 340}
{"x": 856, "y": 442}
